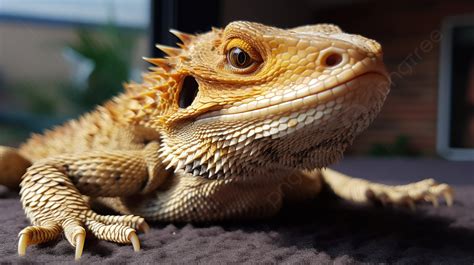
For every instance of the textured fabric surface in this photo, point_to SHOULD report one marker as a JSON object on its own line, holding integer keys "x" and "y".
{"x": 323, "y": 231}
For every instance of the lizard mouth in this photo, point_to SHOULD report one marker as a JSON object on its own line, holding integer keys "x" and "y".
{"x": 298, "y": 99}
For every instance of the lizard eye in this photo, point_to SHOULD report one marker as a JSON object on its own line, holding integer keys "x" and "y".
{"x": 239, "y": 58}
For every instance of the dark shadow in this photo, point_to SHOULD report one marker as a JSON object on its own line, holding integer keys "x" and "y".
{"x": 96, "y": 248}
{"x": 368, "y": 233}
{"x": 7, "y": 194}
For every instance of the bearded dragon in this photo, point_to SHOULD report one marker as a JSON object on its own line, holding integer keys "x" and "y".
{"x": 229, "y": 125}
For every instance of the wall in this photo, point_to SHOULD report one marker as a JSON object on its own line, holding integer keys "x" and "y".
{"x": 33, "y": 51}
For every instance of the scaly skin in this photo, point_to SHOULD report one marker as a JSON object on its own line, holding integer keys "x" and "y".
{"x": 274, "y": 107}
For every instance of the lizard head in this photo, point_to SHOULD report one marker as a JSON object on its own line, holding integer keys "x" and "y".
{"x": 251, "y": 98}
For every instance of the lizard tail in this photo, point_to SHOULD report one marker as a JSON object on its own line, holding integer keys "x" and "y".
{"x": 12, "y": 167}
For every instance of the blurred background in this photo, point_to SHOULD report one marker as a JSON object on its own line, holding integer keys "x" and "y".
{"x": 59, "y": 58}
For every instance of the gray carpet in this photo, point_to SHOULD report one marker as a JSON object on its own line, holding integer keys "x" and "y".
{"x": 325, "y": 231}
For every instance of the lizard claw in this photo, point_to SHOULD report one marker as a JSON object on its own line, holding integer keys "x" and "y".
{"x": 449, "y": 197}
{"x": 23, "y": 244}
{"x": 144, "y": 227}
{"x": 433, "y": 199}
{"x": 80, "y": 240}
{"x": 446, "y": 191}
{"x": 135, "y": 242}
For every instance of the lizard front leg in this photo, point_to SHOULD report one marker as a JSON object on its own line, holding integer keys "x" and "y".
{"x": 52, "y": 189}
{"x": 362, "y": 191}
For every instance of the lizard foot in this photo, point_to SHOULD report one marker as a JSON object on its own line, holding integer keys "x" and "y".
{"x": 119, "y": 229}
{"x": 427, "y": 190}
{"x": 55, "y": 205}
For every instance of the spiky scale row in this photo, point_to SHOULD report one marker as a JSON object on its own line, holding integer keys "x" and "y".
{"x": 168, "y": 50}
{"x": 185, "y": 38}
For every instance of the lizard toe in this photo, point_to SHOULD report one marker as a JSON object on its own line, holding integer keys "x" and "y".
{"x": 115, "y": 233}
{"x": 37, "y": 234}
{"x": 132, "y": 221}
{"x": 75, "y": 234}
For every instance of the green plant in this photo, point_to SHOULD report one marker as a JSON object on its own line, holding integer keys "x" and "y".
{"x": 110, "y": 51}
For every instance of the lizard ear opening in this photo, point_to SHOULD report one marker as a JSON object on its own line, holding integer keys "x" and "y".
{"x": 188, "y": 93}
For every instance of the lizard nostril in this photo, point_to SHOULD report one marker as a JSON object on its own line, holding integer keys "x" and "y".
{"x": 333, "y": 60}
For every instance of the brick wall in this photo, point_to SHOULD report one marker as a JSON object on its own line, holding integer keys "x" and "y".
{"x": 409, "y": 32}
